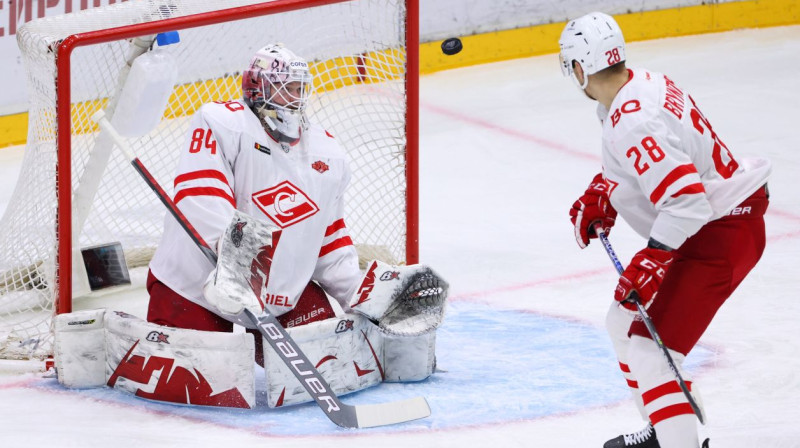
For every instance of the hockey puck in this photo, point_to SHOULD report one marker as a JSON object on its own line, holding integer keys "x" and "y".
{"x": 451, "y": 46}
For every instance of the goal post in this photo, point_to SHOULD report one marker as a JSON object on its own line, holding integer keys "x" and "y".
{"x": 364, "y": 54}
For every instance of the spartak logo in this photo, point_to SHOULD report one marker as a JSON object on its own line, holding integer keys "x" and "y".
{"x": 367, "y": 285}
{"x": 320, "y": 166}
{"x": 175, "y": 385}
{"x": 285, "y": 204}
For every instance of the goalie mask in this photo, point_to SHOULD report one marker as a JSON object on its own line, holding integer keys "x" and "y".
{"x": 594, "y": 41}
{"x": 276, "y": 86}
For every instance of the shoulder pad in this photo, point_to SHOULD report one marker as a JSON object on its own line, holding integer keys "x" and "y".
{"x": 230, "y": 114}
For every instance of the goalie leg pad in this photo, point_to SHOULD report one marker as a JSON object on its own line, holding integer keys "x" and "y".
{"x": 409, "y": 358}
{"x": 351, "y": 353}
{"x": 179, "y": 366}
{"x": 155, "y": 362}
{"x": 79, "y": 351}
{"x": 347, "y": 351}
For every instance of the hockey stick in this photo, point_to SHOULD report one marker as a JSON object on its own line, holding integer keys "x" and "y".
{"x": 346, "y": 416}
{"x": 634, "y": 298}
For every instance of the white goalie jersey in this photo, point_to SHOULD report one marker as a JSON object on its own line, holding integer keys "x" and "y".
{"x": 229, "y": 162}
{"x": 668, "y": 172}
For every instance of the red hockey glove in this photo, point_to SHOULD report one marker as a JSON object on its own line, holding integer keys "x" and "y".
{"x": 644, "y": 274}
{"x": 592, "y": 207}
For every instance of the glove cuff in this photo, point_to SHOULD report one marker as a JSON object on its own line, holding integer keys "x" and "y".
{"x": 654, "y": 244}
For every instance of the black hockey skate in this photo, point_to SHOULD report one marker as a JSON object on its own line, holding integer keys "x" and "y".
{"x": 645, "y": 438}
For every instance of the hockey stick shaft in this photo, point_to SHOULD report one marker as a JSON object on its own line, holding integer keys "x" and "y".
{"x": 287, "y": 349}
{"x": 648, "y": 322}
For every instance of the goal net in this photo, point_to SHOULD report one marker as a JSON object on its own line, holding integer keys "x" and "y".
{"x": 76, "y": 192}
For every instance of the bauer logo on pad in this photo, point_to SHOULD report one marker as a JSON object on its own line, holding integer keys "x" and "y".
{"x": 285, "y": 204}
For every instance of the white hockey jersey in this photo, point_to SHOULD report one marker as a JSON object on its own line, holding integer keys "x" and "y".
{"x": 229, "y": 162}
{"x": 668, "y": 172}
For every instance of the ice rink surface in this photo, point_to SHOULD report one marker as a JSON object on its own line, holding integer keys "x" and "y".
{"x": 506, "y": 148}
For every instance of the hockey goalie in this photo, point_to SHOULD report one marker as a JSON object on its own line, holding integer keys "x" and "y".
{"x": 264, "y": 187}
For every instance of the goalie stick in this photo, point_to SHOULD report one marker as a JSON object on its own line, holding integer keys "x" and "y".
{"x": 346, "y": 416}
{"x": 634, "y": 298}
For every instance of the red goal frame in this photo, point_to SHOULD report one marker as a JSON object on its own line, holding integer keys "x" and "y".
{"x": 63, "y": 121}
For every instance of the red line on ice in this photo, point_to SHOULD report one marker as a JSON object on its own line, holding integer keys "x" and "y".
{"x": 783, "y": 214}
{"x": 532, "y": 284}
{"x": 783, "y": 236}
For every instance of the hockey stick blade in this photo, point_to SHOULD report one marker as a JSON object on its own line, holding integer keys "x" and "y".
{"x": 365, "y": 416}
{"x": 651, "y": 328}
{"x": 346, "y": 416}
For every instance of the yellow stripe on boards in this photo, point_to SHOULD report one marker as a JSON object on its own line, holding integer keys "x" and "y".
{"x": 13, "y": 129}
{"x": 543, "y": 39}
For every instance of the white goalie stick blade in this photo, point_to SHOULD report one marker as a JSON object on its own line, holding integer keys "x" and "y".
{"x": 370, "y": 415}
{"x": 346, "y": 416}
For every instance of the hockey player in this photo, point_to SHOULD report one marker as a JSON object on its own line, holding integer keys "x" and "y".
{"x": 671, "y": 177}
{"x": 260, "y": 156}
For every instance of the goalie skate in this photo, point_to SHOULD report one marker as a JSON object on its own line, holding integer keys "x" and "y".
{"x": 646, "y": 438}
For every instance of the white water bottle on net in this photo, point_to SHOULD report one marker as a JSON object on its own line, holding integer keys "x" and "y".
{"x": 76, "y": 193}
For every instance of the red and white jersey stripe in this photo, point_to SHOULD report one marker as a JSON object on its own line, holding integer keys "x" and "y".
{"x": 202, "y": 183}
{"x": 669, "y": 173}
{"x": 336, "y": 236}
{"x": 229, "y": 162}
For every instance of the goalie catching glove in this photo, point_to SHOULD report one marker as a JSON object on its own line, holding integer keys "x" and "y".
{"x": 403, "y": 300}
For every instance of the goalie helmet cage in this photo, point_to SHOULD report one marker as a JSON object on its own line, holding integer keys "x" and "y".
{"x": 74, "y": 191}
